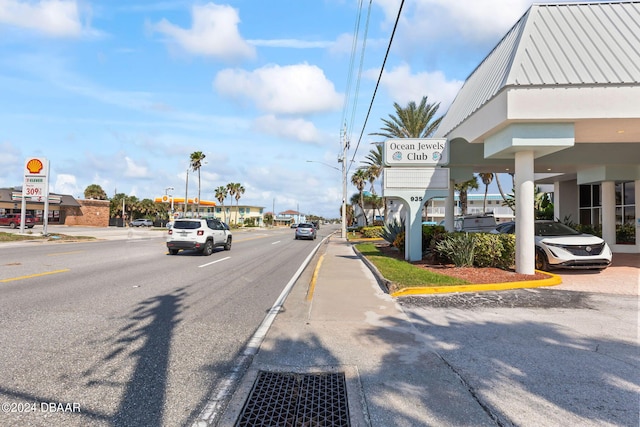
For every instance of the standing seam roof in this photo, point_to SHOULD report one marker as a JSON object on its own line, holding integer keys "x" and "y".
{"x": 589, "y": 43}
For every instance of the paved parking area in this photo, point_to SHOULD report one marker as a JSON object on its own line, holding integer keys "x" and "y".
{"x": 622, "y": 277}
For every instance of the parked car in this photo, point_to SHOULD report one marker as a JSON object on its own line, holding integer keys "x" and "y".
{"x": 306, "y": 231}
{"x": 475, "y": 223}
{"x": 141, "y": 223}
{"x": 560, "y": 246}
{"x": 294, "y": 225}
{"x": 200, "y": 234}
{"x": 12, "y": 220}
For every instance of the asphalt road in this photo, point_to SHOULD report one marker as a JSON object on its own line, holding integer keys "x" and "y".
{"x": 118, "y": 332}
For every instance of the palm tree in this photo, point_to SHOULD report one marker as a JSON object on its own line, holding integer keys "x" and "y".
{"x": 239, "y": 193}
{"x": 463, "y": 188}
{"x": 221, "y": 194}
{"x": 486, "y": 178}
{"x": 94, "y": 191}
{"x": 359, "y": 179}
{"x": 231, "y": 190}
{"x": 412, "y": 121}
{"x": 375, "y": 168}
{"x": 196, "y": 159}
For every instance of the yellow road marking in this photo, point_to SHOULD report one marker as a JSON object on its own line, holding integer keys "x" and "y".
{"x": 65, "y": 253}
{"x": 314, "y": 278}
{"x": 30, "y": 276}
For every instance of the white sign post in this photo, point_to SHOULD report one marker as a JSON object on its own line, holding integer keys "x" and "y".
{"x": 413, "y": 173}
{"x": 35, "y": 187}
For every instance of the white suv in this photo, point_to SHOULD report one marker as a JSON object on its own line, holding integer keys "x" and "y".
{"x": 200, "y": 234}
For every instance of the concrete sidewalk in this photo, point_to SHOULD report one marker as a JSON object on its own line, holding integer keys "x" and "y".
{"x": 346, "y": 323}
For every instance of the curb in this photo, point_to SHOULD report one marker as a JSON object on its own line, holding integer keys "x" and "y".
{"x": 552, "y": 280}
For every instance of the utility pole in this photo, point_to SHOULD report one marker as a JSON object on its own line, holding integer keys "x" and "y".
{"x": 343, "y": 160}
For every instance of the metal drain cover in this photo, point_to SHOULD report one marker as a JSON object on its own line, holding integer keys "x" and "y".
{"x": 296, "y": 400}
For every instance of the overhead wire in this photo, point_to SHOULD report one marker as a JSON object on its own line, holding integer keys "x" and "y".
{"x": 354, "y": 44}
{"x": 395, "y": 26}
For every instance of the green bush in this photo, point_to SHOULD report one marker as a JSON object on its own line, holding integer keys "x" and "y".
{"x": 476, "y": 249}
{"x": 494, "y": 250}
{"x": 458, "y": 248}
{"x": 371, "y": 232}
{"x": 391, "y": 230}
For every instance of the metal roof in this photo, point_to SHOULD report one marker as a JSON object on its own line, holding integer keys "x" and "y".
{"x": 556, "y": 44}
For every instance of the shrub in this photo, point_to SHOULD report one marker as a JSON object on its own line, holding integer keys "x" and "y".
{"x": 371, "y": 232}
{"x": 458, "y": 248}
{"x": 399, "y": 242}
{"x": 431, "y": 234}
{"x": 391, "y": 230}
{"x": 494, "y": 250}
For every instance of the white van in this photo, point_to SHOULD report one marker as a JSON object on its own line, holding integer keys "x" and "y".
{"x": 475, "y": 223}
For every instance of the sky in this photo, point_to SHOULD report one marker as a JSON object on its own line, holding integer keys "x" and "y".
{"x": 120, "y": 93}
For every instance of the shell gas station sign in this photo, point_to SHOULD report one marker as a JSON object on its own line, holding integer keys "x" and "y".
{"x": 36, "y": 179}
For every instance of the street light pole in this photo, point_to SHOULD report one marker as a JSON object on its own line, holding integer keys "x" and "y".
{"x": 166, "y": 193}
{"x": 186, "y": 193}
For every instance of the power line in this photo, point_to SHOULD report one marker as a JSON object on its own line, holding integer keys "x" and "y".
{"x": 395, "y": 26}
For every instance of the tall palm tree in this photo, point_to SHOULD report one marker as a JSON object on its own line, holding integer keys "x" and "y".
{"x": 463, "y": 188}
{"x": 231, "y": 190}
{"x": 221, "y": 194}
{"x": 239, "y": 193}
{"x": 359, "y": 180}
{"x": 412, "y": 121}
{"x": 374, "y": 167}
{"x": 196, "y": 159}
{"x": 486, "y": 178}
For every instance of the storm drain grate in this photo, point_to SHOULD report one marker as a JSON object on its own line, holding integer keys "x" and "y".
{"x": 287, "y": 399}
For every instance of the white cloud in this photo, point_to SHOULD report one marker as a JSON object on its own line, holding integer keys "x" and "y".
{"x": 67, "y": 184}
{"x": 133, "y": 170}
{"x": 290, "y": 89}
{"x": 214, "y": 32}
{"x": 291, "y": 43}
{"x": 298, "y": 129}
{"x": 57, "y": 18}
{"x": 403, "y": 86}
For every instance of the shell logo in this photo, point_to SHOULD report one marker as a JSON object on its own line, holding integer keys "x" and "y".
{"x": 195, "y": 200}
{"x": 165, "y": 198}
{"x": 34, "y": 166}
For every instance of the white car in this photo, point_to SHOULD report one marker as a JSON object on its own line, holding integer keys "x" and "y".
{"x": 560, "y": 246}
{"x": 200, "y": 234}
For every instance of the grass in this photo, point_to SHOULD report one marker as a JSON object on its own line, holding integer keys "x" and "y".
{"x": 403, "y": 274}
{"x": 12, "y": 237}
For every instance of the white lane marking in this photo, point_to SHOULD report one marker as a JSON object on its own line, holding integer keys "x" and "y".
{"x": 275, "y": 243}
{"x": 213, "y": 262}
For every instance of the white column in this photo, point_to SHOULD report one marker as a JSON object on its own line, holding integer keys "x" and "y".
{"x": 449, "y": 207}
{"x": 608, "y": 189}
{"x": 556, "y": 200}
{"x": 525, "y": 242}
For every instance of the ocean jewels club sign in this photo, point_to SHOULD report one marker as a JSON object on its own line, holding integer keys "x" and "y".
{"x": 416, "y": 152}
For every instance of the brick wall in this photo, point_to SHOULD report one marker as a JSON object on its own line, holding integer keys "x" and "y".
{"x": 90, "y": 213}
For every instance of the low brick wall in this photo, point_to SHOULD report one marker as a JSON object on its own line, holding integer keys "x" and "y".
{"x": 90, "y": 213}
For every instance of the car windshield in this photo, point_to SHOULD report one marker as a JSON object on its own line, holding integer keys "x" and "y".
{"x": 186, "y": 225}
{"x": 305, "y": 226}
{"x": 554, "y": 229}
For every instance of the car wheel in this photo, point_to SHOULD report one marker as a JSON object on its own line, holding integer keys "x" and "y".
{"x": 227, "y": 246}
{"x": 541, "y": 260}
{"x": 208, "y": 248}
{"x": 173, "y": 251}
{"x": 12, "y": 225}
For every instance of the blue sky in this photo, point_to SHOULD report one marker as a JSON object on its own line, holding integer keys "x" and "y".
{"x": 119, "y": 93}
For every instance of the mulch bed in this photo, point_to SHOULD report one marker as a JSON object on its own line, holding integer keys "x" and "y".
{"x": 473, "y": 275}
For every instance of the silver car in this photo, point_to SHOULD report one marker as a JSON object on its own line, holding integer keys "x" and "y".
{"x": 306, "y": 231}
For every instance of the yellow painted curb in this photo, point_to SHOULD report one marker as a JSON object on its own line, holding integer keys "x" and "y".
{"x": 553, "y": 280}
